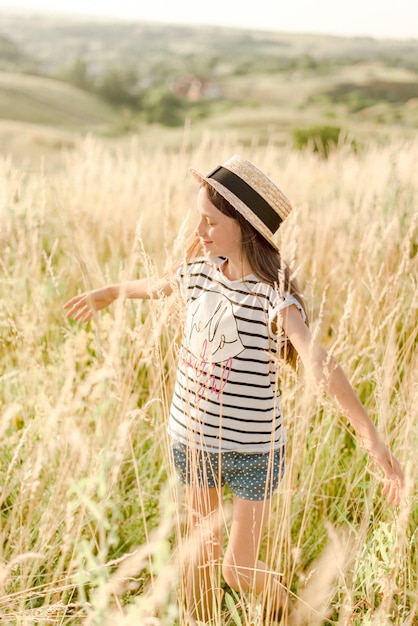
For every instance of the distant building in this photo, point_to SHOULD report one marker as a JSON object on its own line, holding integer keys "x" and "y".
{"x": 195, "y": 89}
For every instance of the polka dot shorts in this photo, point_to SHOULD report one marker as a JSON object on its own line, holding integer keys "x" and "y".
{"x": 249, "y": 476}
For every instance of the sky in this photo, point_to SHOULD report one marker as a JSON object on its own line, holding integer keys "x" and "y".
{"x": 396, "y": 19}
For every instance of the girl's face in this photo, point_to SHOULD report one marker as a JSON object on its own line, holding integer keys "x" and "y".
{"x": 219, "y": 234}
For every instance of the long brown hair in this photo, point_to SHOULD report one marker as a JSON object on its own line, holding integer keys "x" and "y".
{"x": 265, "y": 261}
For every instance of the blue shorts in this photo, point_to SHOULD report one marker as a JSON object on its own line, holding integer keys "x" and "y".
{"x": 249, "y": 476}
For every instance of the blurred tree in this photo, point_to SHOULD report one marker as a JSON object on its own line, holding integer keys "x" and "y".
{"x": 320, "y": 139}
{"x": 162, "y": 106}
{"x": 77, "y": 74}
{"x": 120, "y": 87}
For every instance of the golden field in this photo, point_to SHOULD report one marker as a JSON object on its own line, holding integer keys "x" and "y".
{"x": 90, "y": 511}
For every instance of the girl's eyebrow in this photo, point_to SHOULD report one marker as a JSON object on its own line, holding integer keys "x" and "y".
{"x": 207, "y": 215}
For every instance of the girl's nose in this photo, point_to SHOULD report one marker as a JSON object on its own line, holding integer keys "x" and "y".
{"x": 199, "y": 230}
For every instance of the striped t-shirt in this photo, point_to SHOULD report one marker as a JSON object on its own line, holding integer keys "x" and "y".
{"x": 226, "y": 395}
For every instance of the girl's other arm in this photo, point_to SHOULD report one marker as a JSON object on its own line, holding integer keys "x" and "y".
{"x": 328, "y": 374}
{"x": 85, "y": 305}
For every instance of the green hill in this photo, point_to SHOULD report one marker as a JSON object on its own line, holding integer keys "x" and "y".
{"x": 56, "y": 41}
{"x": 62, "y": 76}
{"x": 41, "y": 100}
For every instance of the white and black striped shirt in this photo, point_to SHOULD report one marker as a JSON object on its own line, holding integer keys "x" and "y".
{"x": 226, "y": 395}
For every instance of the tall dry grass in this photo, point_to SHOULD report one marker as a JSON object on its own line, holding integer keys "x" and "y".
{"x": 91, "y": 516}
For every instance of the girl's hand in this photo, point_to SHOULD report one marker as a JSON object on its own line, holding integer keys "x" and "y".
{"x": 84, "y": 306}
{"x": 394, "y": 478}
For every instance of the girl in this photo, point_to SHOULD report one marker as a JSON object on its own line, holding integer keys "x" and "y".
{"x": 244, "y": 312}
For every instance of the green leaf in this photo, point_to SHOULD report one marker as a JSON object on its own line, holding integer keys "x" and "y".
{"x": 232, "y": 608}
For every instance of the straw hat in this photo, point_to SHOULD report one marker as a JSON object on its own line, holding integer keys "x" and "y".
{"x": 251, "y": 193}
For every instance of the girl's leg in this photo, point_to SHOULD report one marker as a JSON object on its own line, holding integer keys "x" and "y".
{"x": 242, "y": 570}
{"x": 205, "y": 537}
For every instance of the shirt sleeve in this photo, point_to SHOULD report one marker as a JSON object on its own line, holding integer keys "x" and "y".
{"x": 285, "y": 300}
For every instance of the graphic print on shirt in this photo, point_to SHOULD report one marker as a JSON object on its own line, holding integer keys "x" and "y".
{"x": 212, "y": 339}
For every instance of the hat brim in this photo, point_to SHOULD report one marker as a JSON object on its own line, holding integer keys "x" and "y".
{"x": 238, "y": 204}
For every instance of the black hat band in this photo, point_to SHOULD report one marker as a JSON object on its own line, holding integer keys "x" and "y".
{"x": 251, "y": 198}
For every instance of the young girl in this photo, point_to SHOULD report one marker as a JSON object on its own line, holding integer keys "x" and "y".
{"x": 244, "y": 312}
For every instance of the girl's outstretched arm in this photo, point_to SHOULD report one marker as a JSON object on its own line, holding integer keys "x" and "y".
{"x": 329, "y": 376}
{"x": 85, "y": 305}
